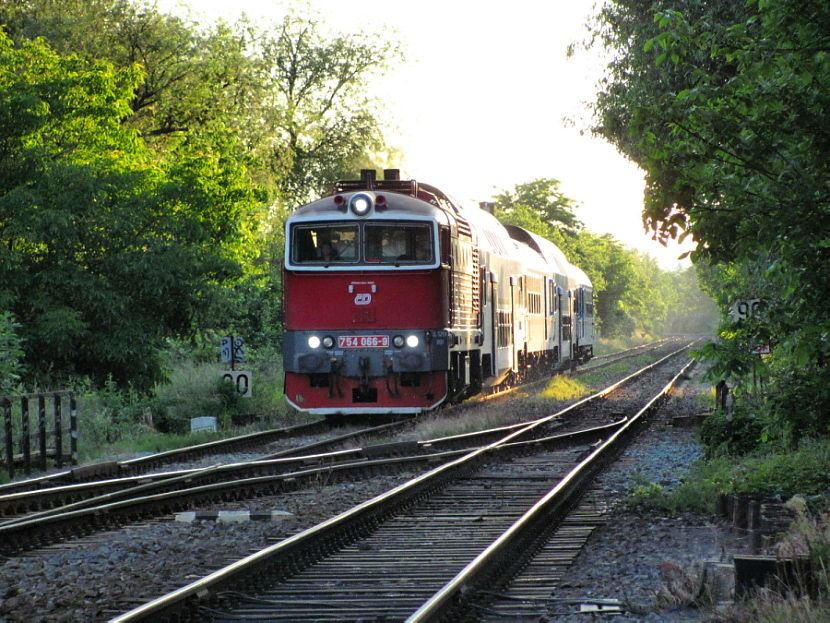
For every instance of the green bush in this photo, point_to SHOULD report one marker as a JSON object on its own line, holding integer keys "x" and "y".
{"x": 737, "y": 436}
{"x": 798, "y": 399}
{"x": 11, "y": 353}
{"x": 785, "y": 473}
{"x": 113, "y": 420}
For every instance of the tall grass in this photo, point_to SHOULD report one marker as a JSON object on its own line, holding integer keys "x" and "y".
{"x": 114, "y": 422}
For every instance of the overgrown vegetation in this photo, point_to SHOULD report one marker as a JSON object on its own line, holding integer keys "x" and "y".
{"x": 114, "y": 421}
{"x": 725, "y": 107}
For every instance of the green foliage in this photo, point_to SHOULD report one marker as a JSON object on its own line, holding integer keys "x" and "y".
{"x": 725, "y": 106}
{"x": 782, "y": 473}
{"x": 11, "y": 353}
{"x": 736, "y": 436}
{"x": 105, "y": 252}
{"x": 539, "y": 203}
{"x": 798, "y": 401}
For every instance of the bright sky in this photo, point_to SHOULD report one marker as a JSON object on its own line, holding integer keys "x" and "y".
{"x": 486, "y": 99}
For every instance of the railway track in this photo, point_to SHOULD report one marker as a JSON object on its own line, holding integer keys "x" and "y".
{"x": 84, "y": 508}
{"x": 423, "y": 550}
{"x": 142, "y": 465}
{"x": 154, "y": 496}
{"x": 72, "y": 487}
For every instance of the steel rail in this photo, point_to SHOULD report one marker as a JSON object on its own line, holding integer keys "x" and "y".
{"x": 452, "y": 596}
{"x": 143, "y": 463}
{"x": 99, "y": 491}
{"x": 362, "y": 514}
{"x": 101, "y": 508}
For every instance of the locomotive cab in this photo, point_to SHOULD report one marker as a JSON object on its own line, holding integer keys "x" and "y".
{"x": 371, "y": 286}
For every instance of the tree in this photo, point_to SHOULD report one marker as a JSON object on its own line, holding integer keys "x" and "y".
{"x": 321, "y": 119}
{"x": 543, "y": 199}
{"x": 284, "y": 105}
{"x": 105, "y": 250}
{"x": 725, "y": 106}
{"x": 192, "y": 78}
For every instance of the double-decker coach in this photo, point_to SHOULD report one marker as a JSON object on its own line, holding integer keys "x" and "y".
{"x": 397, "y": 300}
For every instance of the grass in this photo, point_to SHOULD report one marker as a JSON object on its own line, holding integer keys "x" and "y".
{"x": 563, "y": 388}
{"x": 783, "y": 474}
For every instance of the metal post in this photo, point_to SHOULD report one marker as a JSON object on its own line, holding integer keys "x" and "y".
{"x": 56, "y": 410}
{"x": 41, "y": 429}
{"x": 73, "y": 428}
{"x": 25, "y": 442}
{"x": 6, "y": 405}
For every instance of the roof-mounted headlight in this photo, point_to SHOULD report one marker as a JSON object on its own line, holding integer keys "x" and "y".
{"x": 361, "y": 204}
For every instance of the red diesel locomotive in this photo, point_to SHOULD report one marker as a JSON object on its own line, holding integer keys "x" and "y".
{"x": 397, "y": 299}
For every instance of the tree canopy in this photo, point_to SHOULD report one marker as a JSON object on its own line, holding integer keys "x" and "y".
{"x": 146, "y": 163}
{"x": 725, "y": 106}
{"x": 104, "y": 251}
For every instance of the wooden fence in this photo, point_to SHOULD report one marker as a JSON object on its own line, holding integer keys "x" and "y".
{"x": 35, "y": 430}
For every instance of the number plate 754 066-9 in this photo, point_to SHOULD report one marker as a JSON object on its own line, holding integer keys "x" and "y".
{"x": 362, "y": 341}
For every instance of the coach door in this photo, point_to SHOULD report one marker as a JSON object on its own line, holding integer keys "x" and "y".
{"x": 551, "y": 336}
{"x": 504, "y": 327}
{"x": 566, "y": 328}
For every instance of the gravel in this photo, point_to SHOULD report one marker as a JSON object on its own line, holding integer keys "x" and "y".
{"x": 648, "y": 561}
{"x": 630, "y": 558}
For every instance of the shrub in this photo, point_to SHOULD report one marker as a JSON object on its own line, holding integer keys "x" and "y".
{"x": 737, "y": 436}
{"x": 798, "y": 399}
{"x": 11, "y": 353}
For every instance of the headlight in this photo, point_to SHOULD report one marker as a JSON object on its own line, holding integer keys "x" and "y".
{"x": 314, "y": 342}
{"x": 360, "y": 204}
{"x": 412, "y": 341}
{"x": 398, "y": 341}
{"x": 328, "y": 341}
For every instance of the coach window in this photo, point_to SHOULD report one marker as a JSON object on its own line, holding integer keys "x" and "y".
{"x": 324, "y": 244}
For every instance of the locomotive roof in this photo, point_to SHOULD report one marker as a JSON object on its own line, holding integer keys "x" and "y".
{"x": 327, "y": 208}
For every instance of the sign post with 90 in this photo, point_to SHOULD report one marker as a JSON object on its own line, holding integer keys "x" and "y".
{"x": 241, "y": 380}
{"x": 746, "y": 309}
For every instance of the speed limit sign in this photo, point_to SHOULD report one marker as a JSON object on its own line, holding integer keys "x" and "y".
{"x": 241, "y": 380}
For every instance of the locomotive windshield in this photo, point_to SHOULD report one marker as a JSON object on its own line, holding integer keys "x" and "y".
{"x": 398, "y": 243}
{"x": 325, "y": 243}
{"x": 379, "y": 242}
